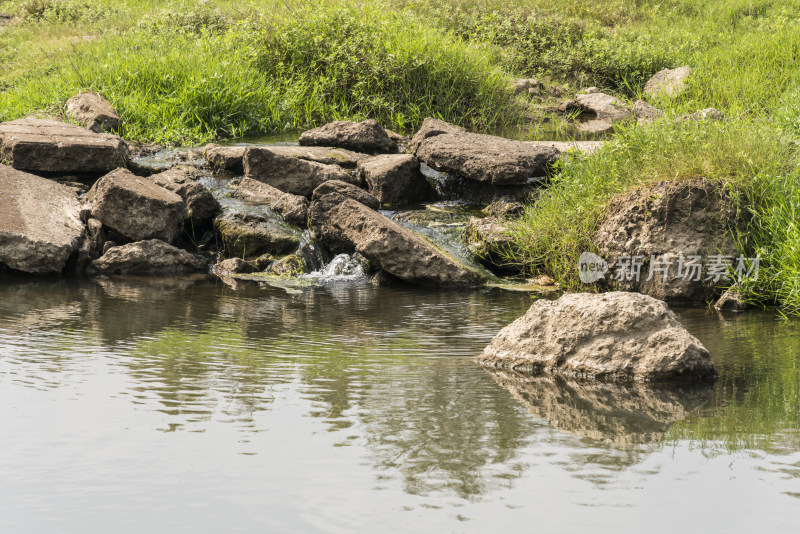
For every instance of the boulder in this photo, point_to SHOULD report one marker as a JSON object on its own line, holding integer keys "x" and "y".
{"x": 40, "y": 225}
{"x": 504, "y": 209}
{"x": 152, "y": 256}
{"x": 365, "y": 136}
{"x": 232, "y": 266}
{"x": 293, "y": 208}
{"x": 344, "y": 225}
{"x": 731, "y": 301}
{"x": 230, "y": 158}
{"x": 662, "y": 223}
{"x": 622, "y": 336}
{"x": 346, "y": 190}
{"x": 456, "y": 188}
{"x": 486, "y": 158}
{"x": 289, "y": 174}
{"x": 225, "y": 158}
{"x": 201, "y": 205}
{"x": 51, "y": 146}
{"x": 645, "y": 113}
{"x": 93, "y": 111}
{"x": 400, "y": 140}
{"x": 667, "y": 82}
{"x": 603, "y": 106}
{"x": 291, "y": 265}
{"x": 431, "y": 128}
{"x": 489, "y": 240}
{"x": 249, "y": 235}
{"x": 394, "y": 179}
{"x": 136, "y": 208}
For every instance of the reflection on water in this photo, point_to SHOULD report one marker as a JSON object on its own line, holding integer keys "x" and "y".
{"x": 185, "y": 402}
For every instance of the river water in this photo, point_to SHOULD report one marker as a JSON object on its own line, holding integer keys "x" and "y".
{"x": 187, "y": 405}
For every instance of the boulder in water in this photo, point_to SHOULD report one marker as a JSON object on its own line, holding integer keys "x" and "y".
{"x": 290, "y": 174}
{"x": 365, "y": 136}
{"x": 151, "y": 256}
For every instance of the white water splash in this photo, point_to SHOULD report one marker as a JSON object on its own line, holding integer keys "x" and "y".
{"x": 343, "y": 267}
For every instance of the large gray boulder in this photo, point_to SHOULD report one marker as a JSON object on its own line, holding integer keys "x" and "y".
{"x": 345, "y": 225}
{"x": 431, "y": 128}
{"x": 136, "y": 207}
{"x": 346, "y": 190}
{"x": 51, "y": 146}
{"x": 603, "y": 106}
{"x": 668, "y": 82}
{"x": 93, "y": 111}
{"x": 290, "y": 174}
{"x": 395, "y": 179}
{"x": 147, "y": 257}
{"x": 293, "y": 208}
{"x": 486, "y": 158}
{"x": 666, "y": 225}
{"x": 365, "y": 136}
{"x": 250, "y": 235}
{"x": 618, "y": 335}
{"x": 40, "y": 226}
{"x": 201, "y": 205}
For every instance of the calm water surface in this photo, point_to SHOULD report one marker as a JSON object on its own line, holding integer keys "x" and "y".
{"x": 188, "y": 406}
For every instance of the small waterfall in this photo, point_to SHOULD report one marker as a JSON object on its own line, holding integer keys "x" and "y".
{"x": 343, "y": 267}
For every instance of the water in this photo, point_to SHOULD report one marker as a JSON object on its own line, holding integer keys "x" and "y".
{"x": 135, "y": 405}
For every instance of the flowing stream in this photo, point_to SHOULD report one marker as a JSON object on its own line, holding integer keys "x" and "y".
{"x": 187, "y": 405}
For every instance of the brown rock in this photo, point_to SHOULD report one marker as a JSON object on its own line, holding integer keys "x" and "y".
{"x": 489, "y": 240}
{"x": 365, "y": 136}
{"x": 293, "y": 208}
{"x": 136, "y": 207}
{"x": 93, "y": 111}
{"x": 40, "y": 226}
{"x": 731, "y": 301}
{"x": 232, "y": 266}
{"x": 289, "y": 174}
{"x": 346, "y": 190}
{"x": 249, "y": 235}
{"x": 645, "y": 113}
{"x": 200, "y": 203}
{"x": 51, "y": 146}
{"x": 623, "y": 336}
{"x": 395, "y": 179}
{"x": 147, "y": 257}
{"x": 431, "y": 128}
{"x": 603, "y": 106}
{"x": 225, "y": 158}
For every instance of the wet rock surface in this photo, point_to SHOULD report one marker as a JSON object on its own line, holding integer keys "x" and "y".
{"x": 40, "y": 226}
{"x": 93, "y": 111}
{"x": 51, "y": 146}
{"x": 200, "y": 202}
{"x": 490, "y": 241}
{"x": 293, "y": 208}
{"x": 249, "y": 235}
{"x": 289, "y": 174}
{"x": 395, "y": 179}
{"x": 151, "y": 256}
{"x": 365, "y": 136}
{"x": 136, "y": 207}
{"x": 617, "y": 335}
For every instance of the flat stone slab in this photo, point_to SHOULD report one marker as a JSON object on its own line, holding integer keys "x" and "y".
{"x": 365, "y": 136}
{"x": 230, "y": 158}
{"x": 51, "y": 146}
{"x": 40, "y": 226}
{"x": 288, "y": 173}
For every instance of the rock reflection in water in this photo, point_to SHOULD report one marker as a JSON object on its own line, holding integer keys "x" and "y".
{"x": 624, "y": 414}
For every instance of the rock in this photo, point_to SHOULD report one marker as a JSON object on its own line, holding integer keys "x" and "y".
{"x": 291, "y": 265}
{"x": 40, "y": 225}
{"x": 293, "y": 208}
{"x": 346, "y": 190}
{"x": 731, "y": 301}
{"x": 51, "y": 146}
{"x": 201, "y": 205}
{"x": 667, "y": 221}
{"x": 136, "y": 207}
{"x": 623, "y": 336}
{"x": 603, "y": 106}
{"x": 486, "y": 158}
{"x": 591, "y": 90}
{"x": 365, "y": 136}
{"x": 645, "y": 113}
{"x": 344, "y": 225}
{"x": 667, "y": 82}
{"x": 225, "y": 158}
{"x": 248, "y": 235}
{"x": 455, "y": 188}
{"x": 395, "y": 179}
{"x": 431, "y": 128}
{"x": 289, "y": 174}
{"x": 523, "y": 85}
{"x": 489, "y": 240}
{"x": 625, "y": 414}
{"x": 232, "y": 266}
{"x": 595, "y": 126}
{"x": 710, "y": 114}
{"x": 93, "y": 111}
{"x": 569, "y": 106}
{"x": 147, "y": 257}
{"x": 504, "y": 209}
{"x": 566, "y": 147}
{"x": 400, "y": 140}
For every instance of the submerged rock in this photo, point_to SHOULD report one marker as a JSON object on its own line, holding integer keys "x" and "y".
{"x": 289, "y": 174}
{"x": 136, "y": 207}
{"x": 365, "y": 136}
{"x": 346, "y": 190}
{"x": 665, "y": 222}
{"x": 200, "y": 203}
{"x": 344, "y": 225}
{"x": 293, "y": 208}
{"x": 51, "y": 146}
{"x": 248, "y": 235}
{"x": 93, "y": 111}
{"x": 624, "y": 336}
{"x": 431, "y": 128}
{"x": 486, "y": 158}
{"x": 395, "y": 179}
{"x": 603, "y": 106}
{"x": 152, "y": 256}
{"x": 40, "y": 225}
{"x": 667, "y": 82}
